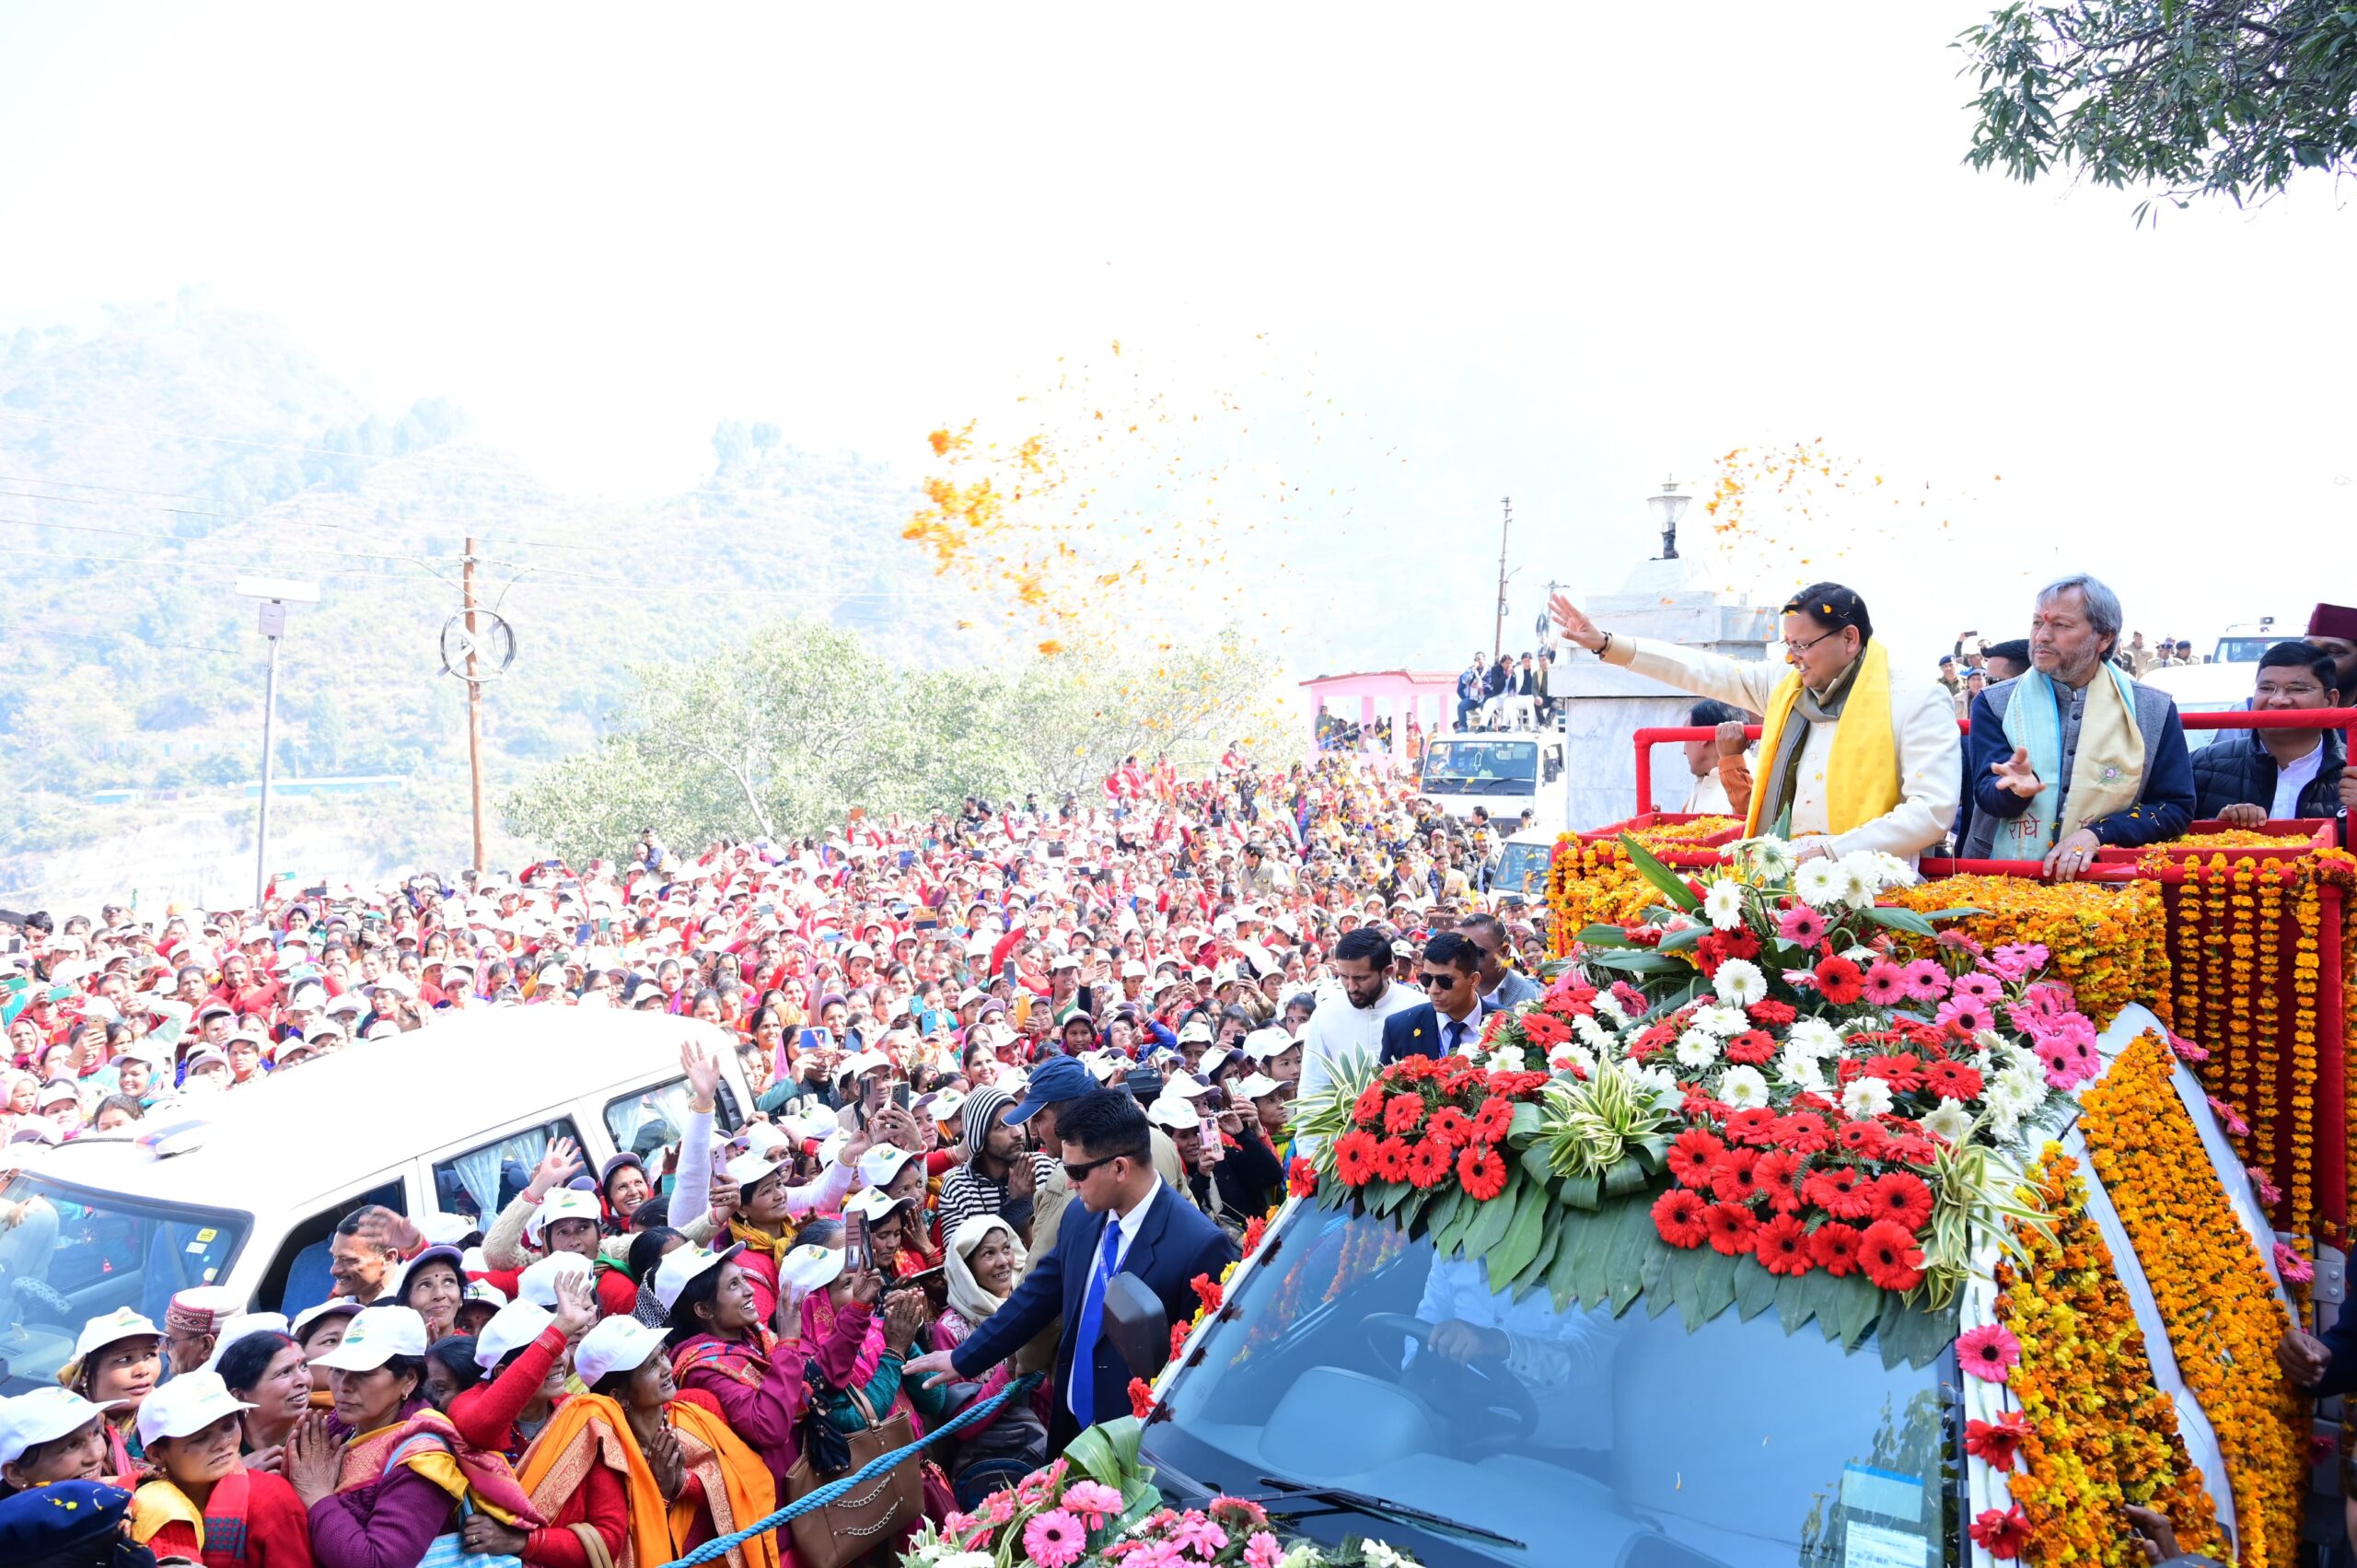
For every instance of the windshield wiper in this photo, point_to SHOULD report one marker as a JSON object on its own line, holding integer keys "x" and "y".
{"x": 1291, "y": 1493}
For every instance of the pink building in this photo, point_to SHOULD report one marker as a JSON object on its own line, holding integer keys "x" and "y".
{"x": 1410, "y": 704}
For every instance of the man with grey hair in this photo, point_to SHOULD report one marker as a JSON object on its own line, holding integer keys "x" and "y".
{"x": 2073, "y": 755}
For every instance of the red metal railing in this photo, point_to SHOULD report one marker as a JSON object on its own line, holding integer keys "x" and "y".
{"x": 2343, "y": 719}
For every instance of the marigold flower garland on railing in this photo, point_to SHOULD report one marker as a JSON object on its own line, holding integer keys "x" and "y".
{"x": 2223, "y": 1314}
{"x": 1594, "y": 879}
{"x": 2107, "y": 941}
{"x": 2093, "y": 1432}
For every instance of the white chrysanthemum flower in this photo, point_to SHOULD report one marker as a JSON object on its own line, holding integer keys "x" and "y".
{"x": 2003, "y": 1120}
{"x": 1739, "y": 982}
{"x": 1768, "y": 857}
{"x": 1950, "y": 1120}
{"x": 1610, "y": 1006}
{"x": 1815, "y": 1036}
{"x": 2022, "y": 1084}
{"x": 1506, "y": 1059}
{"x": 1743, "y": 1087}
{"x": 1860, "y": 955}
{"x": 1896, "y": 873}
{"x": 1661, "y": 1083}
{"x": 1722, "y": 901}
{"x": 1572, "y": 1054}
{"x": 1594, "y": 1036}
{"x": 1800, "y": 1071}
{"x": 1990, "y": 1039}
{"x": 1721, "y": 1021}
{"x": 1819, "y": 884}
{"x": 1861, "y": 880}
{"x": 1697, "y": 1048}
{"x": 1863, "y": 1097}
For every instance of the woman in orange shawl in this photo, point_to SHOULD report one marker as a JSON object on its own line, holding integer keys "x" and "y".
{"x": 681, "y": 1475}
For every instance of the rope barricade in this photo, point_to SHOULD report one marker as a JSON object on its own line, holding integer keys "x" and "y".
{"x": 720, "y": 1546}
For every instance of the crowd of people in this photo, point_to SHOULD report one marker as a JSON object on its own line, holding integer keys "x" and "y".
{"x": 961, "y": 1034}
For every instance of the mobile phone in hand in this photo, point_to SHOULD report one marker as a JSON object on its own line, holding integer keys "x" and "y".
{"x": 855, "y": 1242}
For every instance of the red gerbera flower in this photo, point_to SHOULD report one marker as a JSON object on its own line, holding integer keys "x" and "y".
{"x": 1141, "y": 1397}
{"x": 1301, "y": 1179}
{"x": 1837, "y": 1192}
{"x": 1354, "y": 1157}
{"x": 1803, "y": 1133}
{"x": 1839, "y": 981}
{"x": 1481, "y": 1171}
{"x": 1544, "y": 1030}
{"x": 1755, "y": 1126}
{"x": 1391, "y": 1160}
{"x": 1773, "y": 1179}
{"x": 1996, "y": 1442}
{"x": 1900, "y": 1197}
{"x": 1772, "y": 1014}
{"x": 1753, "y": 1048}
{"x": 1907, "y": 1148}
{"x": 1402, "y": 1112}
{"x": 1490, "y": 1122}
{"x": 1255, "y": 1230}
{"x": 1207, "y": 1291}
{"x": 1952, "y": 1080}
{"x": 1368, "y": 1106}
{"x": 1690, "y": 1156}
{"x": 1677, "y": 1214}
{"x": 1890, "y": 1258}
{"x": 1731, "y": 1176}
{"x": 1731, "y": 1227}
{"x": 1782, "y": 1245}
{"x": 1862, "y": 1138}
{"x": 1450, "y": 1125}
{"x": 1652, "y": 1042}
{"x": 1178, "y": 1332}
{"x": 1428, "y": 1163}
{"x": 1903, "y": 1073}
{"x": 2003, "y": 1534}
{"x": 1835, "y": 1248}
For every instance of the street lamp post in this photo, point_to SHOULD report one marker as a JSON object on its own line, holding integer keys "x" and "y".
{"x": 276, "y": 594}
{"x": 1668, "y": 506}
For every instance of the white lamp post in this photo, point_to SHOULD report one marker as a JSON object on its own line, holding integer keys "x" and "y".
{"x": 276, "y": 594}
{"x": 1668, "y": 506}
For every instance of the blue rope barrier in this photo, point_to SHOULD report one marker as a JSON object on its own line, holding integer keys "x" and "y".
{"x": 720, "y": 1546}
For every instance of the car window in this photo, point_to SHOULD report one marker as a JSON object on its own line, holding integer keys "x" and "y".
{"x": 298, "y": 1275}
{"x": 484, "y": 1180}
{"x": 646, "y": 1121}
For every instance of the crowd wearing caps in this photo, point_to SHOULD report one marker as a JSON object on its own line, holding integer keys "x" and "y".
{"x": 916, "y": 1005}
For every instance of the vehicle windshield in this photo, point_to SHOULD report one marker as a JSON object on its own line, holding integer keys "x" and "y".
{"x": 1481, "y": 767}
{"x": 68, "y": 1255}
{"x": 1521, "y": 868}
{"x": 2242, "y": 650}
{"x": 1593, "y": 1439}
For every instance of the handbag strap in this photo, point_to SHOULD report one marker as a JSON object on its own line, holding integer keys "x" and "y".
{"x": 866, "y": 1411}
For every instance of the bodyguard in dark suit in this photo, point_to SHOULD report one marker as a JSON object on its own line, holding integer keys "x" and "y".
{"x": 1454, "y": 1015}
{"x": 1133, "y": 1225}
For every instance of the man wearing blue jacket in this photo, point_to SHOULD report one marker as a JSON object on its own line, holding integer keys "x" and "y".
{"x": 2072, "y": 755}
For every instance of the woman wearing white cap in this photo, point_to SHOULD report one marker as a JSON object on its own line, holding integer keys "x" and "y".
{"x": 983, "y": 1261}
{"x": 387, "y": 1474}
{"x": 50, "y": 1435}
{"x": 117, "y": 1360}
{"x": 199, "y": 1501}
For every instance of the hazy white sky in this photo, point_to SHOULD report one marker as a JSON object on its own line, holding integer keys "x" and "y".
{"x": 1552, "y": 252}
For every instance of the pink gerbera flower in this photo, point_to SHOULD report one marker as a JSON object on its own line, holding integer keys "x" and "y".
{"x": 1801, "y": 925}
{"x": 1093, "y": 1501}
{"x": 1195, "y": 1532}
{"x": 1054, "y": 1539}
{"x": 1965, "y": 1015}
{"x": 1926, "y": 981}
{"x": 1990, "y": 1352}
{"x": 1262, "y": 1552}
{"x": 1886, "y": 983}
{"x": 1981, "y": 988}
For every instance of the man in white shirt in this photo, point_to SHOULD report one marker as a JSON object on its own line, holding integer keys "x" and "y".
{"x": 1350, "y": 1027}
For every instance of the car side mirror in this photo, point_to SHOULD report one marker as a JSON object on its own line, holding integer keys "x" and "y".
{"x": 1137, "y": 1325}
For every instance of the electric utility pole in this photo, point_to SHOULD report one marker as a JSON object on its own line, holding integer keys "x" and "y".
{"x": 1498, "y": 627}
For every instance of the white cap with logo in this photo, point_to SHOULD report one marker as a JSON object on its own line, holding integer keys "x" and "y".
{"x": 375, "y": 1336}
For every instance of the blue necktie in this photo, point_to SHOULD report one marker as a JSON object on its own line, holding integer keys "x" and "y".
{"x": 1456, "y": 1036}
{"x": 1092, "y": 1324}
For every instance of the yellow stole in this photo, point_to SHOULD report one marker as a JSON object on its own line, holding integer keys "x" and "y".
{"x": 586, "y": 1431}
{"x": 1862, "y": 778}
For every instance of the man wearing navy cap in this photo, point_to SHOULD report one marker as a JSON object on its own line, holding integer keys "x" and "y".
{"x": 69, "y": 1524}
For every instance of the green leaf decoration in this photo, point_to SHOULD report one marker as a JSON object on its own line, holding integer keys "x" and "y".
{"x": 1672, "y": 886}
{"x": 1490, "y": 1222}
{"x": 1444, "y": 1213}
{"x": 1627, "y": 1178}
{"x": 1754, "y": 1288}
{"x": 1524, "y": 1125}
{"x": 1534, "y": 1161}
{"x": 1900, "y": 919}
{"x": 1551, "y": 1241}
{"x": 1562, "y": 1270}
{"x": 1663, "y": 1272}
{"x": 1532, "y": 1207}
{"x": 1578, "y": 1192}
{"x": 1603, "y": 936}
{"x": 1714, "y": 1276}
{"x": 1909, "y": 1332}
{"x": 1795, "y": 1301}
{"x": 1638, "y": 960}
{"x": 1636, "y": 1247}
{"x": 1857, "y": 1302}
{"x": 1677, "y": 941}
{"x": 1948, "y": 914}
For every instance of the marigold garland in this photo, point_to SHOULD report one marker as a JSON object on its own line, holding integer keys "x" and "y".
{"x": 1592, "y": 882}
{"x": 2215, "y": 1296}
{"x": 2099, "y": 1433}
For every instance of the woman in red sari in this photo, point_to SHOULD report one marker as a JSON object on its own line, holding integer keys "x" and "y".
{"x": 198, "y": 1500}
